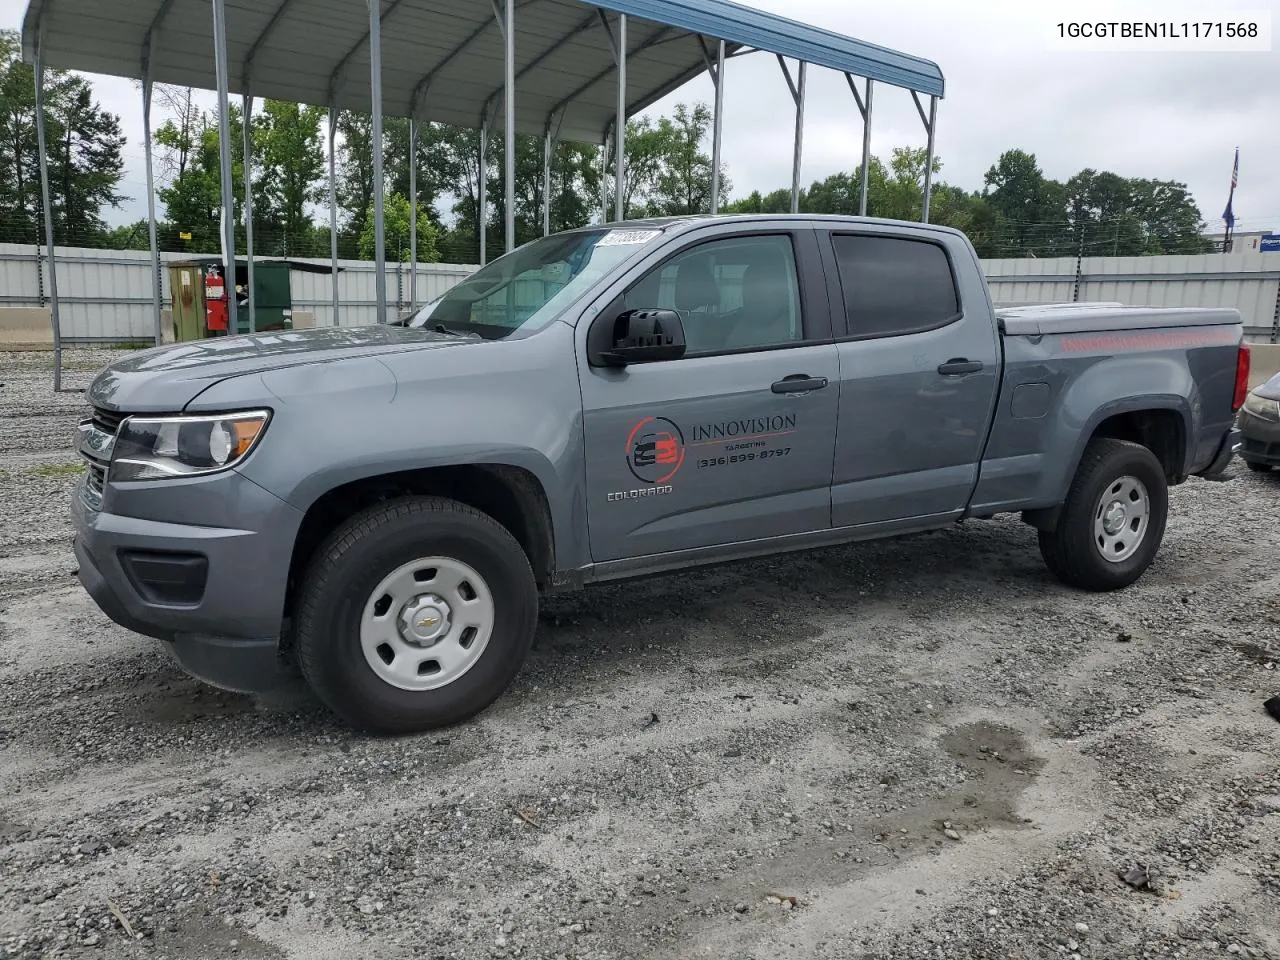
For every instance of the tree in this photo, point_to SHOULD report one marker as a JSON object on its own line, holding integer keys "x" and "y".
{"x": 438, "y": 170}
{"x": 133, "y": 236}
{"x": 1100, "y": 209}
{"x": 292, "y": 162}
{"x": 1031, "y": 207}
{"x": 193, "y": 200}
{"x": 1169, "y": 217}
{"x": 88, "y": 162}
{"x": 1120, "y": 216}
{"x": 903, "y": 191}
{"x": 895, "y": 192}
{"x": 527, "y": 193}
{"x": 779, "y": 201}
{"x": 460, "y": 149}
{"x": 181, "y": 132}
{"x": 575, "y": 182}
{"x": 395, "y": 232}
{"x": 838, "y": 194}
{"x": 575, "y": 189}
{"x": 668, "y": 171}
{"x": 575, "y": 185}
{"x": 355, "y": 171}
{"x": 971, "y": 213}
{"x": 841, "y": 193}
{"x": 644, "y": 151}
{"x": 684, "y": 183}
{"x": 19, "y": 184}
{"x": 84, "y": 142}
{"x": 448, "y": 169}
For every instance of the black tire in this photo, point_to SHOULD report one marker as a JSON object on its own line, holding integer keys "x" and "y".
{"x": 1258, "y": 467}
{"x": 349, "y": 565}
{"x": 1070, "y": 550}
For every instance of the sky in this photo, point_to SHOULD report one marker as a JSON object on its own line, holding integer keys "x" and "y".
{"x": 1169, "y": 115}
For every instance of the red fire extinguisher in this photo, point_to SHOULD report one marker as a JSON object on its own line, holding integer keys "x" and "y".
{"x": 215, "y": 300}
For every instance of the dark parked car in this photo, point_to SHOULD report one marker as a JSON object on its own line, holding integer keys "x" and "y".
{"x": 1260, "y": 426}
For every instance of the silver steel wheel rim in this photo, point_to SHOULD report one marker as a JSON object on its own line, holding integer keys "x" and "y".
{"x": 426, "y": 623}
{"x": 1121, "y": 518}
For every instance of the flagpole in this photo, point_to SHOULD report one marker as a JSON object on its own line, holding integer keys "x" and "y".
{"x": 1228, "y": 215}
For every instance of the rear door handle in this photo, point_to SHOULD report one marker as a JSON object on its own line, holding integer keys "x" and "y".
{"x": 957, "y": 366}
{"x": 799, "y": 383}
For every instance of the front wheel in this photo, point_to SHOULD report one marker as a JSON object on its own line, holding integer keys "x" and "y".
{"x": 1113, "y": 519}
{"x": 415, "y": 614}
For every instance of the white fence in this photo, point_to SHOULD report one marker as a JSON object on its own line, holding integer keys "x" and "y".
{"x": 1249, "y": 282}
{"x": 105, "y": 295}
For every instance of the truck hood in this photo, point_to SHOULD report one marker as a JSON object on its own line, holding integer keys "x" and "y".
{"x": 166, "y": 379}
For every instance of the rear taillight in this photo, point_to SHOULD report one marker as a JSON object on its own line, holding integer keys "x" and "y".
{"x": 1242, "y": 378}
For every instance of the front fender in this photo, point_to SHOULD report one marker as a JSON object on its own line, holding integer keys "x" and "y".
{"x": 491, "y": 403}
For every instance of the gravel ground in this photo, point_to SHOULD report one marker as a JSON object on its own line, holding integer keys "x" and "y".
{"x": 914, "y": 748}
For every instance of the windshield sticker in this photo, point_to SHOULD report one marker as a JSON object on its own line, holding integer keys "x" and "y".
{"x": 625, "y": 238}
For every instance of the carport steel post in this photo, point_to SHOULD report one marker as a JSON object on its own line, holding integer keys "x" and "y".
{"x": 48, "y": 216}
{"x": 684, "y": 26}
{"x": 224, "y": 163}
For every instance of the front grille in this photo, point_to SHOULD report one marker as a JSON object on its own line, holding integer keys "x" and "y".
{"x": 97, "y": 436}
{"x": 95, "y": 478}
{"x": 108, "y": 421}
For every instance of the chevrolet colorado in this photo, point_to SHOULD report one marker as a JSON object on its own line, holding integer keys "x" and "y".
{"x": 382, "y": 507}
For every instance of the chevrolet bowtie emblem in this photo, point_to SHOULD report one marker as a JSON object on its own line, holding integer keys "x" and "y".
{"x": 428, "y": 622}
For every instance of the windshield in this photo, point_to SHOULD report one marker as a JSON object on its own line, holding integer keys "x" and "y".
{"x": 527, "y": 288}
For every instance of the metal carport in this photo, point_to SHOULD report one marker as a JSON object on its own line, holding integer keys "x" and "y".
{"x": 581, "y": 67}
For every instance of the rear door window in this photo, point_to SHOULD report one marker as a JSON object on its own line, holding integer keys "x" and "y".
{"x": 894, "y": 286}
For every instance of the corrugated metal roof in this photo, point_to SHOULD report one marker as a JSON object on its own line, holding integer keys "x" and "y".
{"x": 446, "y": 55}
{"x": 750, "y": 27}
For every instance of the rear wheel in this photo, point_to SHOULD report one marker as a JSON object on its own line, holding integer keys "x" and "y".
{"x": 415, "y": 614}
{"x": 1113, "y": 519}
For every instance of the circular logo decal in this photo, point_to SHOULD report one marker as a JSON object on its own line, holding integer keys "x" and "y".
{"x": 655, "y": 450}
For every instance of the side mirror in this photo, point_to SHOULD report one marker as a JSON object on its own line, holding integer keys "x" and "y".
{"x": 645, "y": 336}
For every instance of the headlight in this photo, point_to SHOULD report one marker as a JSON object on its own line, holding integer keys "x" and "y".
{"x": 158, "y": 447}
{"x": 1262, "y": 407}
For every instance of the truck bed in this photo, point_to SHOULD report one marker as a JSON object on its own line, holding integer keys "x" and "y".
{"x": 1058, "y": 318}
{"x": 1071, "y": 369}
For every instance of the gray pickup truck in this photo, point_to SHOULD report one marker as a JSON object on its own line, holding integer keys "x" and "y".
{"x": 383, "y": 506}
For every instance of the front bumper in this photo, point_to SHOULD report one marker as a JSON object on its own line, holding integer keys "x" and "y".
{"x": 214, "y": 594}
{"x": 1261, "y": 440}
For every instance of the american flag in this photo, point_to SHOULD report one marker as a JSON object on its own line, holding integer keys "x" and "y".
{"x": 1228, "y": 215}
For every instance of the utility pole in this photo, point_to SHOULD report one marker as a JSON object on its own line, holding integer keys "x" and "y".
{"x": 1075, "y": 293}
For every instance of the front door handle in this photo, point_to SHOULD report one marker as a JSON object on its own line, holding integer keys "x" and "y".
{"x": 799, "y": 383}
{"x": 958, "y": 366}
